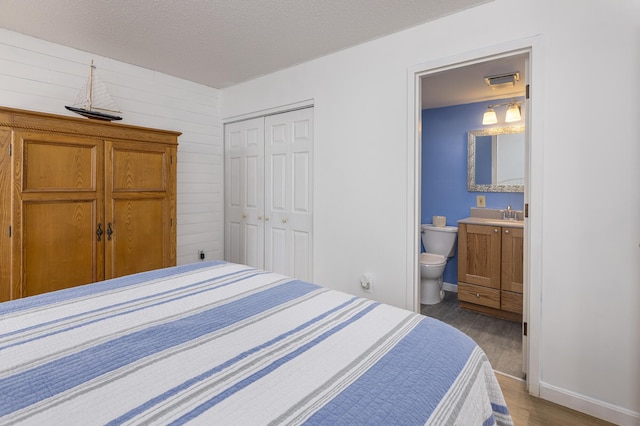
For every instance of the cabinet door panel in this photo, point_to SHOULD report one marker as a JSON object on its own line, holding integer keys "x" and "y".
{"x": 137, "y": 242}
{"x": 59, "y": 245}
{"x": 141, "y": 170}
{"x": 512, "y": 259}
{"x": 58, "y": 203}
{"x": 479, "y": 260}
{"x": 58, "y": 166}
{"x": 139, "y": 199}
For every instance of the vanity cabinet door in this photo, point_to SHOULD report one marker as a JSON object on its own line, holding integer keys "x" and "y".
{"x": 512, "y": 259}
{"x": 479, "y": 255}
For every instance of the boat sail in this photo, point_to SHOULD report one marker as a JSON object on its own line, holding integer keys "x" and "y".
{"x": 94, "y": 100}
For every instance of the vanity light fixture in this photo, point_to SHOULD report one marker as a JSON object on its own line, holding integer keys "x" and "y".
{"x": 513, "y": 113}
{"x": 490, "y": 116}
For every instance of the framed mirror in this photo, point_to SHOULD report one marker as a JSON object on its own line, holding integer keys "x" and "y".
{"x": 496, "y": 160}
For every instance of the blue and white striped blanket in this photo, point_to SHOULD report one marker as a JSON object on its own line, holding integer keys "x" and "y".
{"x": 220, "y": 343}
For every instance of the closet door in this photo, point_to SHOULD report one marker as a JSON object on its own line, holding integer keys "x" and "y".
{"x": 57, "y": 207}
{"x": 288, "y": 193}
{"x": 139, "y": 215}
{"x": 244, "y": 192}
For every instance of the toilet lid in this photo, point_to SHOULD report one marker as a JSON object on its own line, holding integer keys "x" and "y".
{"x": 432, "y": 259}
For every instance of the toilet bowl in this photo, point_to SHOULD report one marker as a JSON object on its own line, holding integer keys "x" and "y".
{"x": 431, "y": 270}
{"x": 440, "y": 244}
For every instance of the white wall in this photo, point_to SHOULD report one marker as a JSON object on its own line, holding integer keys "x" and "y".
{"x": 589, "y": 241}
{"x": 41, "y": 76}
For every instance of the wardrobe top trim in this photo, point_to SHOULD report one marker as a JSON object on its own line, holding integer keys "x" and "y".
{"x": 32, "y": 120}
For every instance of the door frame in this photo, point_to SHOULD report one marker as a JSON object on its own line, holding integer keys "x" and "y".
{"x": 533, "y": 188}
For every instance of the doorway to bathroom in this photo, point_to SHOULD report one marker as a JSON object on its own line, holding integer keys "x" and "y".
{"x": 457, "y": 181}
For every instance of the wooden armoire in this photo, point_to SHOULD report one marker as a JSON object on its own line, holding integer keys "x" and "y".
{"x": 82, "y": 201}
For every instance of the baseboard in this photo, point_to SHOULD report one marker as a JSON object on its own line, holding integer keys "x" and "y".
{"x": 450, "y": 287}
{"x": 593, "y": 407}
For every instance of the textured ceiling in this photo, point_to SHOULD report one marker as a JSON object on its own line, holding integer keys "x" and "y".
{"x": 218, "y": 42}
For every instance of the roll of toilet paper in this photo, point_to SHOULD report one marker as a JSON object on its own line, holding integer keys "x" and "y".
{"x": 439, "y": 221}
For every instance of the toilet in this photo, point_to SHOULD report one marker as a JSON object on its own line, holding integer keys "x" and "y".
{"x": 440, "y": 244}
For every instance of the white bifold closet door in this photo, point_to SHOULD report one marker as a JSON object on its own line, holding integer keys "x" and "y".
{"x": 268, "y": 192}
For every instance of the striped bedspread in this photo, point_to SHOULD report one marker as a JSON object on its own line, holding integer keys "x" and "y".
{"x": 217, "y": 343}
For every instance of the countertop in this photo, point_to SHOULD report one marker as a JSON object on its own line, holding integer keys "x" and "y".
{"x": 492, "y": 222}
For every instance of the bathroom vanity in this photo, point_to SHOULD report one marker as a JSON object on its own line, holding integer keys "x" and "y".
{"x": 490, "y": 266}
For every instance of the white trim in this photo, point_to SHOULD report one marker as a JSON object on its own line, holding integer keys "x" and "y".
{"x": 308, "y": 103}
{"x": 534, "y": 242}
{"x": 533, "y": 226}
{"x": 593, "y": 407}
{"x": 414, "y": 171}
{"x": 450, "y": 287}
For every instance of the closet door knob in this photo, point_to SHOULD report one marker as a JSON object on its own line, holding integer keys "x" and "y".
{"x": 99, "y": 232}
{"x": 109, "y": 231}
{"x": 284, "y": 220}
{"x": 259, "y": 217}
{"x": 267, "y": 218}
{"x": 244, "y": 215}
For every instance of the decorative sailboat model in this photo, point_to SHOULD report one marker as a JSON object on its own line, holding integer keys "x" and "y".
{"x": 94, "y": 100}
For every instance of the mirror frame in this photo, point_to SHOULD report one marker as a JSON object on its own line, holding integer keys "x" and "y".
{"x": 471, "y": 160}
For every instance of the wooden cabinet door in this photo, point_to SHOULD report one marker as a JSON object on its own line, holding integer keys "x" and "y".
{"x": 58, "y": 202}
{"x": 512, "y": 259}
{"x": 139, "y": 215}
{"x": 479, "y": 255}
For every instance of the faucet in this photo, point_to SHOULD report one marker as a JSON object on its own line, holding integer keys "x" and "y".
{"x": 509, "y": 212}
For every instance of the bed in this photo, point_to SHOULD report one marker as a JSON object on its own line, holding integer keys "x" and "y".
{"x": 222, "y": 343}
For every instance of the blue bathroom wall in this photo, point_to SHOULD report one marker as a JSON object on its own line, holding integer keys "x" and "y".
{"x": 444, "y": 168}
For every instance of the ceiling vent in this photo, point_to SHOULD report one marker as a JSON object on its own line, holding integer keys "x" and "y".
{"x": 502, "y": 81}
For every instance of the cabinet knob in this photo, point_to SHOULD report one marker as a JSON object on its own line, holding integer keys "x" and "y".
{"x": 506, "y": 231}
{"x": 478, "y": 295}
{"x": 267, "y": 218}
{"x": 259, "y": 217}
{"x": 495, "y": 231}
{"x": 284, "y": 220}
{"x": 244, "y": 215}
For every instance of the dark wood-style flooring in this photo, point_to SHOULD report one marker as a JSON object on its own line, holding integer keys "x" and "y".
{"x": 502, "y": 342}
{"x": 500, "y": 339}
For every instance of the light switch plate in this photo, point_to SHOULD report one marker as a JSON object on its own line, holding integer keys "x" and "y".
{"x": 481, "y": 201}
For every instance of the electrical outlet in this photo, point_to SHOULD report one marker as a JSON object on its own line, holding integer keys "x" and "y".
{"x": 481, "y": 201}
{"x": 365, "y": 283}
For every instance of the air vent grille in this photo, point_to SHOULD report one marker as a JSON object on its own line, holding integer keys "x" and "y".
{"x": 502, "y": 80}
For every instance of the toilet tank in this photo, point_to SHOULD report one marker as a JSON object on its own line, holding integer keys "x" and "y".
{"x": 439, "y": 239}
